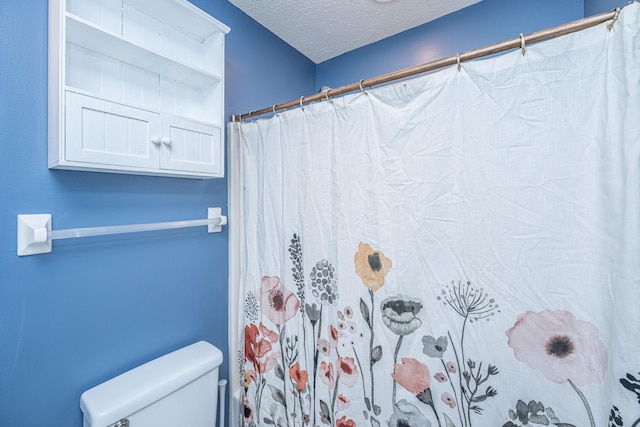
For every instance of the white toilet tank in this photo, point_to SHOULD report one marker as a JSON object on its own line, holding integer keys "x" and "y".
{"x": 179, "y": 389}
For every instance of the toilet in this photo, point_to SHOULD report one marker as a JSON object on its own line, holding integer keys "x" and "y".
{"x": 179, "y": 389}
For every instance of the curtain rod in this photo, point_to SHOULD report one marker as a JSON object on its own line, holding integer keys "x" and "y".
{"x": 518, "y": 42}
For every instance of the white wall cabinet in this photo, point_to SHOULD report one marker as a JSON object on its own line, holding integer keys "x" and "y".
{"x": 136, "y": 86}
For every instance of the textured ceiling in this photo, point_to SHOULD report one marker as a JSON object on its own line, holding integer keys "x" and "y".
{"x": 323, "y": 29}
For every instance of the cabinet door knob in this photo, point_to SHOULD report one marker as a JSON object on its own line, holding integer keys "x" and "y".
{"x": 155, "y": 141}
{"x": 167, "y": 142}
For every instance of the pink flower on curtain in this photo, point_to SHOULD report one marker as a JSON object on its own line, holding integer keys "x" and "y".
{"x": 326, "y": 374}
{"x": 448, "y": 400}
{"x": 348, "y": 371}
{"x": 268, "y": 334}
{"x": 247, "y": 411}
{"x": 440, "y": 377}
{"x": 342, "y": 402}
{"x": 452, "y": 367}
{"x": 323, "y": 347}
{"x": 278, "y": 303}
{"x": 412, "y": 374}
{"x": 563, "y": 348}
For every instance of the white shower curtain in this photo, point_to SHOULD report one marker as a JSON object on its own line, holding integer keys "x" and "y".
{"x": 460, "y": 249}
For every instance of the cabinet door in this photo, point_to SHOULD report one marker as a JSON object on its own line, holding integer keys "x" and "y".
{"x": 108, "y": 133}
{"x": 191, "y": 146}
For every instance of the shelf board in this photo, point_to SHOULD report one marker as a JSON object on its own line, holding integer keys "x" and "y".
{"x": 102, "y": 97}
{"x": 184, "y": 17}
{"x": 85, "y": 34}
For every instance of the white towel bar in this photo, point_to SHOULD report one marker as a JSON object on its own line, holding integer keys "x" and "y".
{"x": 35, "y": 235}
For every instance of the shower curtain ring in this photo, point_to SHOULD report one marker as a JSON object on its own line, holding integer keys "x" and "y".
{"x": 274, "y": 110}
{"x": 361, "y": 88}
{"x": 615, "y": 18}
{"x": 326, "y": 96}
{"x": 522, "y": 44}
{"x": 458, "y": 61}
{"x": 301, "y": 101}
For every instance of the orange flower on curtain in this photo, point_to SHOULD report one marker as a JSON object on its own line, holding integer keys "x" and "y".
{"x": 371, "y": 265}
{"x": 299, "y": 376}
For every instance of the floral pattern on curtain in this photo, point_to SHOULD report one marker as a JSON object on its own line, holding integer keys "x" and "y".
{"x": 458, "y": 250}
{"x": 564, "y": 349}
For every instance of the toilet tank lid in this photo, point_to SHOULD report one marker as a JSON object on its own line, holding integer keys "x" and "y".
{"x": 119, "y": 397}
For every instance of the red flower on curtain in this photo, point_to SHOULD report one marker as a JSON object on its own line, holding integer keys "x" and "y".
{"x": 300, "y": 376}
{"x": 277, "y": 302}
{"x": 333, "y": 335}
{"x": 344, "y": 422}
{"x": 348, "y": 371}
{"x": 257, "y": 346}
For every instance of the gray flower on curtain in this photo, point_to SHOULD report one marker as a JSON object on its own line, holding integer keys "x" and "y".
{"x": 470, "y": 303}
{"x": 313, "y": 312}
{"x": 434, "y": 348}
{"x": 533, "y": 413}
{"x": 400, "y": 314}
{"x": 251, "y": 308}
{"x": 295, "y": 254}
{"x": 407, "y": 415}
{"x": 323, "y": 282}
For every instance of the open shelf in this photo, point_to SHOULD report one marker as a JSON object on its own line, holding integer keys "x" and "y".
{"x": 185, "y": 17}
{"x": 85, "y": 34}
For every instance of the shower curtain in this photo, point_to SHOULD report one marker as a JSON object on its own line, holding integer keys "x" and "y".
{"x": 455, "y": 250}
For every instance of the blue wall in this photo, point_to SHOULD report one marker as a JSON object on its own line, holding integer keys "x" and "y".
{"x": 594, "y": 7}
{"x": 97, "y": 307}
{"x": 482, "y": 24}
